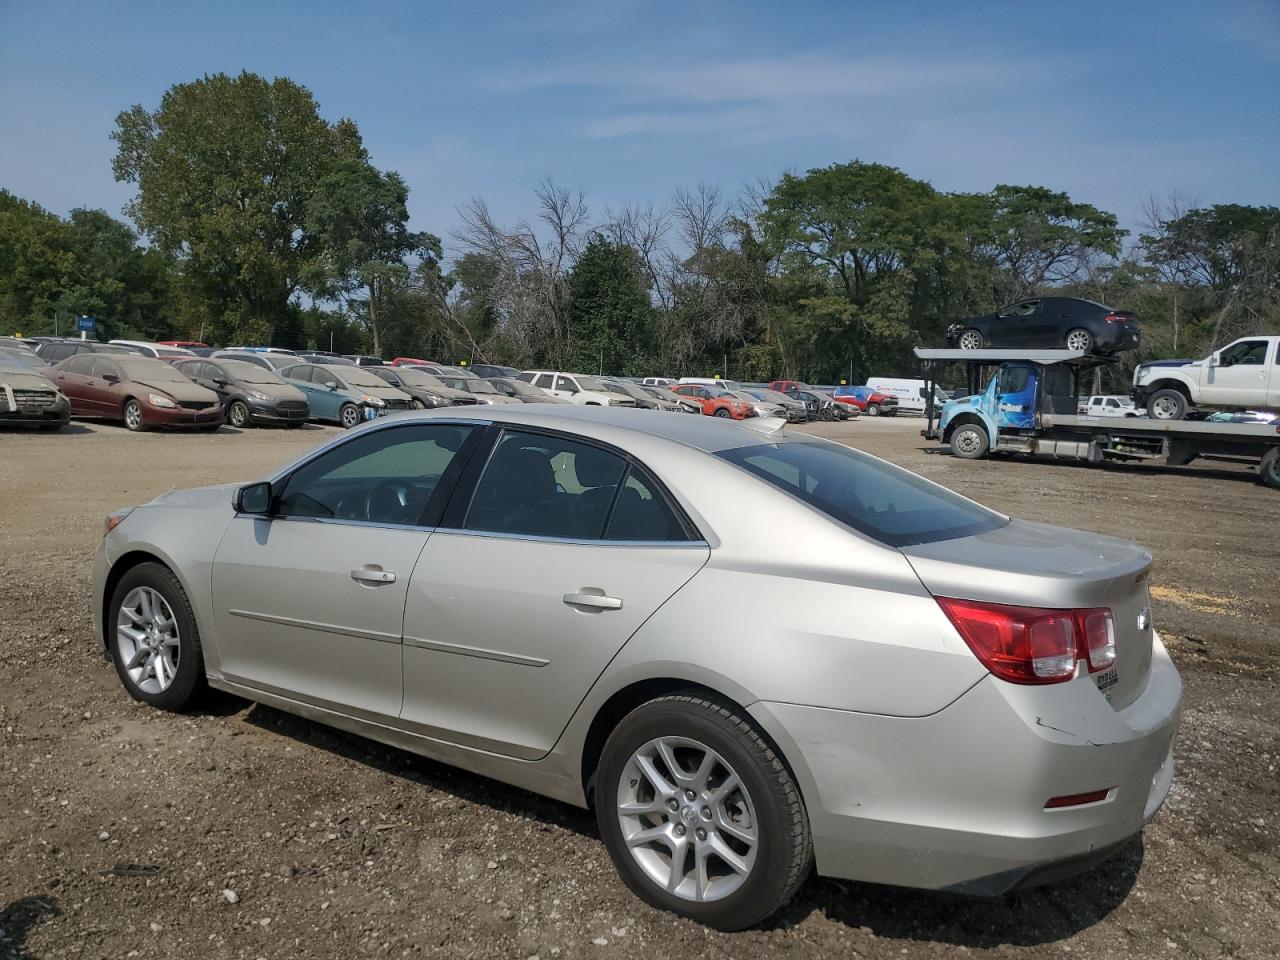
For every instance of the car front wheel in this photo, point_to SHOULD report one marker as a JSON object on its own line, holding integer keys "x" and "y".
{"x": 349, "y": 415}
{"x": 238, "y": 414}
{"x": 723, "y": 412}
{"x": 153, "y": 638}
{"x": 873, "y": 409}
{"x": 700, "y": 814}
{"x": 133, "y": 415}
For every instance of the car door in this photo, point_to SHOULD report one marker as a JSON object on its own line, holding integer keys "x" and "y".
{"x": 210, "y": 376}
{"x": 321, "y": 401}
{"x": 530, "y": 587}
{"x": 309, "y": 601}
{"x": 1241, "y": 376}
{"x": 72, "y": 378}
{"x": 566, "y": 388}
{"x": 1016, "y": 326}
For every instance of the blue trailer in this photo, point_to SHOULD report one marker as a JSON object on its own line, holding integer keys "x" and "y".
{"x": 1025, "y": 402}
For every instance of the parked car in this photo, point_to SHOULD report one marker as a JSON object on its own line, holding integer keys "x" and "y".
{"x": 28, "y": 398}
{"x": 911, "y": 393}
{"x": 1050, "y": 323}
{"x": 427, "y": 389}
{"x": 890, "y": 681}
{"x": 718, "y": 382}
{"x": 658, "y": 382}
{"x": 763, "y": 408}
{"x": 248, "y": 393}
{"x": 482, "y": 391}
{"x": 685, "y": 404}
{"x": 1242, "y": 375}
{"x": 522, "y": 391}
{"x": 412, "y": 362}
{"x": 873, "y": 403}
{"x": 267, "y": 360}
{"x": 53, "y": 349}
{"x": 786, "y": 386}
{"x": 1101, "y": 405}
{"x": 331, "y": 359}
{"x": 185, "y": 344}
{"x": 579, "y": 388}
{"x": 363, "y": 360}
{"x": 714, "y": 401}
{"x": 643, "y": 398}
{"x": 490, "y": 371}
{"x": 345, "y": 395}
{"x": 157, "y": 351}
{"x": 282, "y": 350}
{"x": 822, "y": 406}
{"x": 19, "y": 343}
{"x": 141, "y": 391}
{"x": 797, "y": 412}
{"x": 26, "y": 358}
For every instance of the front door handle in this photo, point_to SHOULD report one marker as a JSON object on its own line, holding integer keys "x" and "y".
{"x": 593, "y": 599}
{"x": 373, "y": 574}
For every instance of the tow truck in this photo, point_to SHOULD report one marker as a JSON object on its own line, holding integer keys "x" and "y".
{"x": 1025, "y": 402}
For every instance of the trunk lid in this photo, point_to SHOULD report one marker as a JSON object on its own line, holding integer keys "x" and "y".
{"x": 1037, "y": 565}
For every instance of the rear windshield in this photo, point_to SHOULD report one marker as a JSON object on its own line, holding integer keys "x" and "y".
{"x": 876, "y": 498}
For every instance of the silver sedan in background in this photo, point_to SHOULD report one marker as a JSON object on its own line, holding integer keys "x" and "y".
{"x": 754, "y": 653}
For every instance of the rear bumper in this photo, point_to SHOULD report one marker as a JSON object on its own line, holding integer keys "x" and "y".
{"x": 956, "y": 800}
{"x": 1116, "y": 337}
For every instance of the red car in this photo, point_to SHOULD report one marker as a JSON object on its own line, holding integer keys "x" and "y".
{"x": 412, "y": 362}
{"x": 872, "y": 402}
{"x": 188, "y": 344}
{"x": 141, "y": 391}
{"x": 714, "y": 401}
{"x": 782, "y": 386}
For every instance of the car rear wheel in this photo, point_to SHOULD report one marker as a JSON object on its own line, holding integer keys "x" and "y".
{"x": 1168, "y": 404}
{"x": 133, "y": 415}
{"x": 238, "y": 414}
{"x": 969, "y": 441}
{"x": 349, "y": 415}
{"x": 970, "y": 340}
{"x": 1269, "y": 469}
{"x": 873, "y": 409}
{"x": 700, "y": 814}
{"x": 154, "y": 642}
{"x": 723, "y": 412}
{"x": 1079, "y": 339}
{"x": 417, "y": 405}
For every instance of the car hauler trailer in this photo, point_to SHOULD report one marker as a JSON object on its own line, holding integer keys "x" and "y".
{"x": 1025, "y": 401}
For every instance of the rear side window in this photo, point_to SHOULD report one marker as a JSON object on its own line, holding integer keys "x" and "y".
{"x": 875, "y": 498}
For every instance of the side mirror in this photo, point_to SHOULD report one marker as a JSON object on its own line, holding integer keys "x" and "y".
{"x": 1214, "y": 360}
{"x": 110, "y": 378}
{"x": 254, "y": 499}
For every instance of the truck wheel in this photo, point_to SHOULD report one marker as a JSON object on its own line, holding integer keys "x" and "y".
{"x": 1269, "y": 469}
{"x": 970, "y": 340}
{"x": 873, "y": 409}
{"x": 1167, "y": 404}
{"x": 969, "y": 442}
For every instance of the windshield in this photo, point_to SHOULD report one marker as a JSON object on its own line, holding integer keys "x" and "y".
{"x": 152, "y": 371}
{"x": 247, "y": 372}
{"x": 522, "y": 388}
{"x": 21, "y": 359}
{"x": 876, "y": 498}
{"x": 416, "y": 378}
{"x": 630, "y": 389}
{"x": 360, "y": 377}
{"x": 590, "y": 383}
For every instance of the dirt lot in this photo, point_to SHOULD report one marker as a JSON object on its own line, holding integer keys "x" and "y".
{"x": 243, "y": 832}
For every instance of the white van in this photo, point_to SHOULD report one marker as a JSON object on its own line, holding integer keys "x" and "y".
{"x": 717, "y": 382}
{"x": 910, "y": 393}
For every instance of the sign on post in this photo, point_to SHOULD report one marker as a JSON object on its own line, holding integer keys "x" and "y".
{"x": 86, "y": 324}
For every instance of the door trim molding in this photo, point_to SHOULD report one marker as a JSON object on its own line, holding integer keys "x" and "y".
{"x": 314, "y": 625}
{"x": 462, "y": 649}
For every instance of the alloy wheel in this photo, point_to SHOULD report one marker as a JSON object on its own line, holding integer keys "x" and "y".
{"x": 1079, "y": 340}
{"x": 350, "y": 416}
{"x": 687, "y": 819}
{"x": 971, "y": 340}
{"x": 132, "y": 415}
{"x": 239, "y": 414}
{"x": 148, "y": 641}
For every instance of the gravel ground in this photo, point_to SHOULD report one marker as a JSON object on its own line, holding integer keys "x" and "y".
{"x": 240, "y": 831}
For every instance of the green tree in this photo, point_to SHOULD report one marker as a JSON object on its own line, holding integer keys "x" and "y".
{"x": 224, "y": 169}
{"x": 610, "y": 321}
{"x": 361, "y": 216}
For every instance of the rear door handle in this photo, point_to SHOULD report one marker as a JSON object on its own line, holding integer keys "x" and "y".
{"x": 373, "y": 574}
{"x": 595, "y": 600}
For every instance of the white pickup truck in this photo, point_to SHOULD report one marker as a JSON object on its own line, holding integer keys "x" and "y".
{"x": 1242, "y": 375}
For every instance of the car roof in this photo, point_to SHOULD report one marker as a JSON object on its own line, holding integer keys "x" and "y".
{"x": 613, "y": 424}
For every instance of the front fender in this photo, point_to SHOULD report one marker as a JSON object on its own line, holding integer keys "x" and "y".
{"x": 971, "y": 415}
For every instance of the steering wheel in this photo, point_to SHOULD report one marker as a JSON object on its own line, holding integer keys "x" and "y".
{"x": 390, "y": 501}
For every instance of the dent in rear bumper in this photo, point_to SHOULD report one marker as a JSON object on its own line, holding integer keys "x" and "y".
{"x": 956, "y": 799}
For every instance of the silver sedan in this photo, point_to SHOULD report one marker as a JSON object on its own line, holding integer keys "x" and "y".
{"x": 755, "y": 653}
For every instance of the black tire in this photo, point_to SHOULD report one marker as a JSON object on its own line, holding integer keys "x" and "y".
{"x": 189, "y": 680}
{"x": 785, "y": 849}
{"x": 238, "y": 414}
{"x": 349, "y": 415}
{"x": 873, "y": 409}
{"x": 969, "y": 441}
{"x": 132, "y": 412}
{"x": 970, "y": 340}
{"x": 417, "y": 405}
{"x": 723, "y": 412}
{"x": 1081, "y": 338}
{"x": 1269, "y": 469}
{"x": 1167, "y": 404}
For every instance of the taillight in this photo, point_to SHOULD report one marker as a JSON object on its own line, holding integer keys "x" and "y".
{"x": 1033, "y": 644}
{"x": 1116, "y": 318}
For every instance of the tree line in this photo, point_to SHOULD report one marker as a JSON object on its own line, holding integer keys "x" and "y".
{"x": 255, "y": 220}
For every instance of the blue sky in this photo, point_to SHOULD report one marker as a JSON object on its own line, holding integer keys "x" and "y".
{"x": 1110, "y": 101}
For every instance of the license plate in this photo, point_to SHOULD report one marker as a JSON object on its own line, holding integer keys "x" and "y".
{"x": 1105, "y": 681}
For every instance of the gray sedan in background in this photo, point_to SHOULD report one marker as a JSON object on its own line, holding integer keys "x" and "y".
{"x": 753, "y": 653}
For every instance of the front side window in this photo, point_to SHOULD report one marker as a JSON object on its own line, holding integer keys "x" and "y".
{"x": 565, "y": 384}
{"x": 101, "y": 367}
{"x": 388, "y": 476}
{"x": 875, "y": 498}
{"x": 1024, "y": 309}
{"x": 1250, "y": 352}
